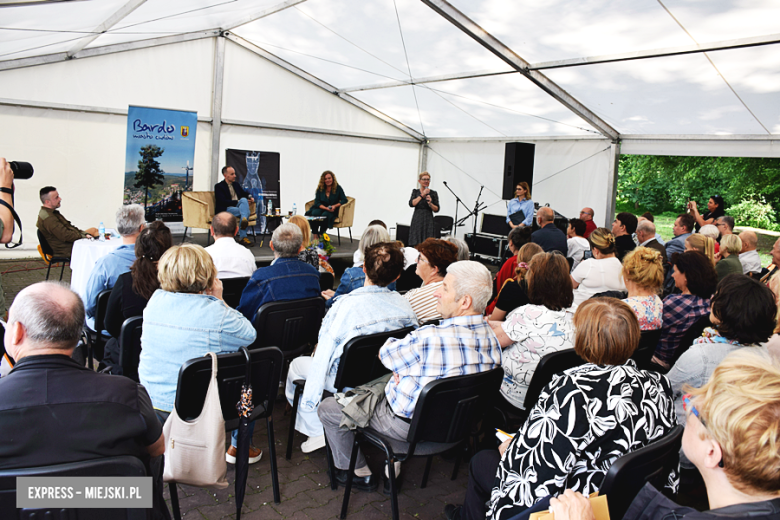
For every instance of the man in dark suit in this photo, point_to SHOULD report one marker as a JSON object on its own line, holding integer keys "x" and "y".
{"x": 645, "y": 234}
{"x": 623, "y": 227}
{"x": 549, "y": 237}
{"x": 231, "y": 197}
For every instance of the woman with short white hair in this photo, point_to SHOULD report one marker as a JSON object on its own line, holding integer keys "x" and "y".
{"x": 728, "y": 258}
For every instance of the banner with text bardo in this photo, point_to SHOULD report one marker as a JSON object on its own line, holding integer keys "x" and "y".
{"x": 159, "y": 161}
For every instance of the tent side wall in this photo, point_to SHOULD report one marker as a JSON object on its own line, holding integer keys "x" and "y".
{"x": 70, "y": 123}
{"x": 568, "y": 175}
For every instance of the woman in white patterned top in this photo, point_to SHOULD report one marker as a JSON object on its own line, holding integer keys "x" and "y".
{"x": 435, "y": 256}
{"x": 643, "y": 274}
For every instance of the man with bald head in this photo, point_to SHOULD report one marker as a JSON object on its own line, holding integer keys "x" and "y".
{"x": 55, "y": 411}
{"x": 586, "y": 215}
{"x": 549, "y": 237}
{"x": 230, "y": 259}
{"x": 751, "y": 262}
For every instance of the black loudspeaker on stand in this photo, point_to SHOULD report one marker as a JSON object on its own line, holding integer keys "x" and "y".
{"x": 518, "y": 167}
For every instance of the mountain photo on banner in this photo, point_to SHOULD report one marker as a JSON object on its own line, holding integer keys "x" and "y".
{"x": 159, "y": 160}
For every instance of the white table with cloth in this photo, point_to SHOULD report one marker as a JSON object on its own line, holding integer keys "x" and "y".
{"x": 86, "y": 253}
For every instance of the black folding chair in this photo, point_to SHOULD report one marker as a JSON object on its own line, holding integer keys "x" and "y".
{"x": 443, "y": 224}
{"x": 359, "y": 365}
{"x": 292, "y": 325}
{"x": 232, "y": 288}
{"x": 408, "y": 280}
{"x": 444, "y": 416}
{"x": 694, "y": 331}
{"x": 326, "y": 281}
{"x": 106, "y": 467}
{"x": 651, "y": 463}
{"x": 194, "y": 379}
{"x": 644, "y": 352}
{"x": 96, "y": 341}
{"x": 130, "y": 347}
{"x": 551, "y": 364}
{"x": 48, "y": 251}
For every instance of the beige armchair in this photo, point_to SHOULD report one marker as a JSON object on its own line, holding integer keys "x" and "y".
{"x": 345, "y": 219}
{"x": 198, "y": 211}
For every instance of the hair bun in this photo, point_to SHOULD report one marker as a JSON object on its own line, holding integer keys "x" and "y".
{"x": 610, "y": 239}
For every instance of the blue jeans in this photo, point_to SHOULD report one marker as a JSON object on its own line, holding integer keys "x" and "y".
{"x": 240, "y": 211}
{"x": 234, "y": 436}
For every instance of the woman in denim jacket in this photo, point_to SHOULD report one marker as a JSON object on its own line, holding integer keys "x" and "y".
{"x": 354, "y": 277}
{"x": 185, "y": 319}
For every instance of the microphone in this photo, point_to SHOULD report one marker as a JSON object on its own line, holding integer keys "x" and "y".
{"x": 444, "y": 182}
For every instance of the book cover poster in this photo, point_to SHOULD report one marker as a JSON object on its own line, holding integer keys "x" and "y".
{"x": 159, "y": 160}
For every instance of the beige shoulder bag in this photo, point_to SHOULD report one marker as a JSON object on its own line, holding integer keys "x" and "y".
{"x": 195, "y": 450}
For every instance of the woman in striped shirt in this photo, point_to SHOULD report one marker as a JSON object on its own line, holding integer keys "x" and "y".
{"x": 435, "y": 256}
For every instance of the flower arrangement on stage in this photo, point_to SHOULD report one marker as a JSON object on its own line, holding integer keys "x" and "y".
{"x": 325, "y": 247}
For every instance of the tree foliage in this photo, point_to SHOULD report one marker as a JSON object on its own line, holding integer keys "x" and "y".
{"x": 149, "y": 173}
{"x": 666, "y": 183}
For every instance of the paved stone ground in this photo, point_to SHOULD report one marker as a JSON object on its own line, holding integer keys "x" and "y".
{"x": 305, "y": 489}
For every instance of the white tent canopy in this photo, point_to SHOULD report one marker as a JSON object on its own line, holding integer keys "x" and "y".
{"x": 377, "y": 90}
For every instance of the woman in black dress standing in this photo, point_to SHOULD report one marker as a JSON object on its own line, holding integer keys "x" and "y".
{"x": 425, "y": 202}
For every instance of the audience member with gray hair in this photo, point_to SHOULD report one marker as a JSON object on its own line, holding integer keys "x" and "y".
{"x": 354, "y": 277}
{"x": 61, "y": 411}
{"x": 130, "y": 221}
{"x": 647, "y": 237}
{"x": 231, "y": 259}
{"x": 461, "y": 344}
{"x": 725, "y": 225}
{"x": 748, "y": 257}
{"x": 287, "y": 278}
{"x": 463, "y": 248}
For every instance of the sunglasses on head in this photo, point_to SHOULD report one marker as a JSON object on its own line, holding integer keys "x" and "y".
{"x": 687, "y": 405}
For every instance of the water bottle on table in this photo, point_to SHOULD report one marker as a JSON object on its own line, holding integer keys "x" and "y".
{"x": 295, "y": 209}
{"x": 101, "y": 233}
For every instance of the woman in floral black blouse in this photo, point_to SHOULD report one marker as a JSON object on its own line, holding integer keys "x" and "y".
{"x": 585, "y": 419}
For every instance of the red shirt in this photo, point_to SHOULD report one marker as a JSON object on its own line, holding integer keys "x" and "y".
{"x": 590, "y": 227}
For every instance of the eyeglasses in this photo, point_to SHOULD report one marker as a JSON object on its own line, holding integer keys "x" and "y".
{"x": 422, "y": 260}
{"x": 425, "y": 179}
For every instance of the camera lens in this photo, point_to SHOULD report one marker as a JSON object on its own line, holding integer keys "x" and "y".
{"x": 22, "y": 170}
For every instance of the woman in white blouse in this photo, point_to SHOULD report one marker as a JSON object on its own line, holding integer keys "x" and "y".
{"x": 600, "y": 273}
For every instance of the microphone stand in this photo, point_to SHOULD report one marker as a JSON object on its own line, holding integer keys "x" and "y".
{"x": 478, "y": 206}
{"x": 456, "y": 224}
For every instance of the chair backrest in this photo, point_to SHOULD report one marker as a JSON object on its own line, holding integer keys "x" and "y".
{"x": 198, "y": 208}
{"x": 644, "y": 352}
{"x": 292, "y": 325}
{"x": 448, "y": 408}
{"x": 47, "y": 250}
{"x": 195, "y": 376}
{"x": 326, "y": 281}
{"x": 651, "y": 463}
{"x": 101, "y": 308}
{"x": 551, "y": 364}
{"x": 444, "y": 223}
{"x": 693, "y": 332}
{"x": 408, "y": 280}
{"x": 106, "y": 467}
{"x": 346, "y": 214}
{"x": 232, "y": 288}
{"x": 360, "y": 361}
{"x": 130, "y": 346}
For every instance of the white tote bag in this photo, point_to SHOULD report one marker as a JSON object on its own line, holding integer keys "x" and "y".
{"x": 195, "y": 450}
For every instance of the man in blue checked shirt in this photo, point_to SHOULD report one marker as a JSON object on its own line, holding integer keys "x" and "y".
{"x": 462, "y": 344}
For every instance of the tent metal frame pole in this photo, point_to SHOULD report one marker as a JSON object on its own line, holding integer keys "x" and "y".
{"x": 261, "y": 14}
{"x": 423, "y": 162}
{"x": 322, "y": 84}
{"x": 46, "y": 105}
{"x": 430, "y": 79}
{"x": 216, "y": 106}
{"x": 612, "y": 180}
{"x": 107, "y": 49}
{"x": 491, "y": 43}
{"x": 111, "y": 21}
{"x": 320, "y": 131}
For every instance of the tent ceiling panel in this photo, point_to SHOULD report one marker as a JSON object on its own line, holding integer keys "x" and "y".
{"x": 675, "y": 95}
{"x": 555, "y": 30}
{"x": 353, "y": 42}
{"x": 716, "y": 20}
{"x": 500, "y": 106}
{"x": 174, "y": 76}
{"x": 44, "y": 29}
{"x": 257, "y": 90}
{"x": 157, "y": 18}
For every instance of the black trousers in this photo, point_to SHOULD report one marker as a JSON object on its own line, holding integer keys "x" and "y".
{"x": 482, "y": 476}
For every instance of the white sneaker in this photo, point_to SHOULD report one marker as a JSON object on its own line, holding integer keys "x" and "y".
{"x": 396, "y": 467}
{"x": 313, "y": 444}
